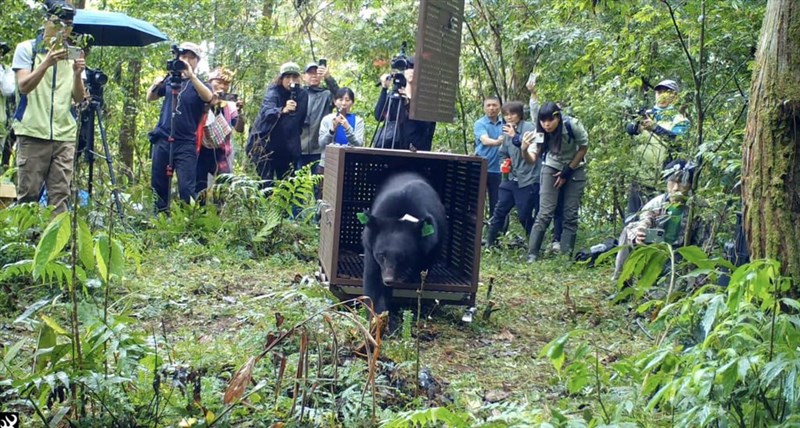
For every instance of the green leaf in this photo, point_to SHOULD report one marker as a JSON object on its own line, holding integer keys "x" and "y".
{"x": 12, "y": 352}
{"x": 47, "y": 340}
{"x": 54, "y": 325}
{"x": 85, "y": 245}
{"x": 53, "y": 240}
{"x": 715, "y": 306}
{"x": 107, "y": 267}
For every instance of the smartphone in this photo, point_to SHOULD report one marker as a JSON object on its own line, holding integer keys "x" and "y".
{"x": 538, "y": 138}
{"x": 322, "y": 62}
{"x": 73, "y": 52}
{"x": 228, "y": 97}
{"x": 654, "y": 235}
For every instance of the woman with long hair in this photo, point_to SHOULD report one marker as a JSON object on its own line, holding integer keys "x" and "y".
{"x": 563, "y": 144}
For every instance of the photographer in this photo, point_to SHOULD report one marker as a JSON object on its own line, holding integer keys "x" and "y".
{"x": 563, "y": 146}
{"x": 274, "y": 142}
{"x": 7, "y": 88}
{"x": 398, "y": 130}
{"x": 216, "y": 158}
{"x": 657, "y": 132}
{"x": 49, "y": 82}
{"x": 663, "y": 218}
{"x": 521, "y": 188}
{"x": 320, "y": 103}
{"x": 192, "y": 96}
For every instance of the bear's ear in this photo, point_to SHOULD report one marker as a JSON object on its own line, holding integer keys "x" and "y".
{"x": 427, "y": 229}
{"x": 366, "y": 218}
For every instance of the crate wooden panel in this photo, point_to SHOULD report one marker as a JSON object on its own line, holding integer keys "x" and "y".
{"x": 351, "y": 180}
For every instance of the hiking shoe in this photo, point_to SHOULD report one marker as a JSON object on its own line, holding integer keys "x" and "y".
{"x": 532, "y": 258}
{"x": 555, "y": 247}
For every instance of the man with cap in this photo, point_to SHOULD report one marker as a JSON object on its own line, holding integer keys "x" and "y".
{"x": 49, "y": 83}
{"x": 274, "y": 142}
{"x": 320, "y": 104}
{"x": 657, "y": 134}
{"x": 174, "y": 139}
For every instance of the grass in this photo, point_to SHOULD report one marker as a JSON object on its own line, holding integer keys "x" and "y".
{"x": 213, "y": 311}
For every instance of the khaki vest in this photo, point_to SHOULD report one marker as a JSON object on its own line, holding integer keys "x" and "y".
{"x": 45, "y": 112}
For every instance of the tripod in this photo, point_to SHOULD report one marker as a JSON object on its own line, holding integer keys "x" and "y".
{"x": 394, "y": 99}
{"x": 174, "y": 82}
{"x": 90, "y": 114}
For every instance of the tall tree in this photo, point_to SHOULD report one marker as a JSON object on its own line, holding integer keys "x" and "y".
{"x": 771, "y": 153}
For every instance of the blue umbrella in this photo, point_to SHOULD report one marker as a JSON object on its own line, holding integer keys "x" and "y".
{"x": 115, "y": 29}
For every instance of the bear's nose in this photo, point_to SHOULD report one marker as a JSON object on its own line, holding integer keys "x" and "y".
{"x": 390, "y": 281}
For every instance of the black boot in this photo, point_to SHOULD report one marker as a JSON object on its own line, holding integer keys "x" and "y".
{"x": 535, "y": 245}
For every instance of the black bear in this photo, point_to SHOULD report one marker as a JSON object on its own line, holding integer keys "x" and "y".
{"x": 403, "y": 235}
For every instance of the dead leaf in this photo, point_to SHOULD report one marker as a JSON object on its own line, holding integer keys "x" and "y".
{"x": 505, "y": 336}
{"x": 496, "y": 395}
{"x": 239, "y": 382}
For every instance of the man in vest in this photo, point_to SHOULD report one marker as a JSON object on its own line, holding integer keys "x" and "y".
{"x": 48, "y": 84}
{"x": 658, "y": 134}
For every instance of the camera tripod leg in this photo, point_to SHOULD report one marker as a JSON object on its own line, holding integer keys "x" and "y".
{"x": 107, "y": 154}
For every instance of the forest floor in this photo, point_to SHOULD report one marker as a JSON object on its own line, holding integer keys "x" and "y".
{"x": 214, "y": 311}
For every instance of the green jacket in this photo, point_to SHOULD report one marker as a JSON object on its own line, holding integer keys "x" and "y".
{"x": 46, "y": 112}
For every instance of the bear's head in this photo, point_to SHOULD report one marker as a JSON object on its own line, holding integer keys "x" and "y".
{"x": 398, "y": 246}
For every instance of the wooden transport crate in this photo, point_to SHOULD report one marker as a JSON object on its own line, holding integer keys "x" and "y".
{"x": 351, "y": 180}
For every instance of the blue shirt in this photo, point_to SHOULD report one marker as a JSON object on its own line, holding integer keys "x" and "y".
{"x": 484, "y": 126}
{"x": 187, "y": 118}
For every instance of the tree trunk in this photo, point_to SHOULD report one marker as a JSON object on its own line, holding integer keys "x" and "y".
{"x": 127, "y": 130}
{"x": 771, "y": 152}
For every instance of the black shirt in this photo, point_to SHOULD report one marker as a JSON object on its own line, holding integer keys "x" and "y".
{"x": 187, "y": 117}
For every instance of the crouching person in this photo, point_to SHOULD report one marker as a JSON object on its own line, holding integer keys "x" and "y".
{"x": 663, "y": 218}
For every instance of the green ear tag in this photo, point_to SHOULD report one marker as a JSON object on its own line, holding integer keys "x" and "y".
{"x": 427, "y": 229}
{"x": 362, "y": 218}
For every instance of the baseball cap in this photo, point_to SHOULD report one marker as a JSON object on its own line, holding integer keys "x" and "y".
{"x": 191, "y": 47}
{"x": 669, "y": 85}
{"x": 290, "y": 68}
{"x": 311, "y": 65}
{"x": 61, "y": 9}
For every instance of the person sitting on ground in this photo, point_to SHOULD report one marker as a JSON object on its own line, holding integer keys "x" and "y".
{"x": 521, "y": 189}
{"x": 664, "y": 216}
{"x": 341, "y": 127}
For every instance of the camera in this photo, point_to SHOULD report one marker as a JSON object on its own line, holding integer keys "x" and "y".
{"x": 95, "y": 79}
{"x": 4, "y": 48}
{"x": 641, "y": 114}
{"x": 176, "y": 66}
{"x": 653, "y": 236}
{"x": 401, "y": 62}
{"x": 228, "y": 97}
{"x": 294, "y": 90}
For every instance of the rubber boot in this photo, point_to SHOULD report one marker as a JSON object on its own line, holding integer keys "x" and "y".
{"x": 535, "y": 245}
{"x": 567, "y": 243}
{"x": 491, "y": 236}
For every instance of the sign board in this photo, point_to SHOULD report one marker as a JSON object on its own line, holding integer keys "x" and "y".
{"x": 438, "y": 47}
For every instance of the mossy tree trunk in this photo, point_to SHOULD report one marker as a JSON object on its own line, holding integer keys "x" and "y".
{"x": 771, "y": 152}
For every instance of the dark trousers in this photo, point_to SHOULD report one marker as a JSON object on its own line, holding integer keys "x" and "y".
{"x": 510, "y": 195}
{"x": 208, "y": 162}
{"x": 184, "y": 164}
{"x": 558, "y": 218}
{"x": 493, "y": 180}
{"x": 274, "y": 166}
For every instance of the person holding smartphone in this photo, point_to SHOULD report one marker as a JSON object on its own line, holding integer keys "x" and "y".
{"x": 219, "y": 160}
{"x": 342, "y": 127}
{"x": 320, "y": 104}
{"x": 564, "y": 141}
{"x": 521, "y": 189}
{"x": 49, "y": 83}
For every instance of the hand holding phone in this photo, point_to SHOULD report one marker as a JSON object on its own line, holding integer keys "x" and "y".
{"x": 322, "y": 62}
{"x": 73, "y": 52}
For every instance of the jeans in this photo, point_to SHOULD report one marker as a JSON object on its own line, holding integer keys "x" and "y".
{"x": 526, "y": 199}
